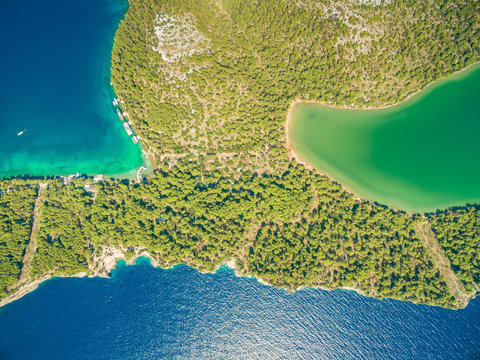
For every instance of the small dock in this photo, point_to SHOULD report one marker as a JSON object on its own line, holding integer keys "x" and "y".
{"x": 139, "y": 173}
{"x": 124, "y": 118}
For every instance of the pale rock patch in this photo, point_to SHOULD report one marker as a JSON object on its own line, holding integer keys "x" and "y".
{"x": 177, "y": 37}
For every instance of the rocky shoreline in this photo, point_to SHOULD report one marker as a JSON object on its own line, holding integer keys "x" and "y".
{"x": 110, "y": 256}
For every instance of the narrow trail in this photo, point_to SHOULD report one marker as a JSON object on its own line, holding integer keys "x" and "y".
{"x": 429, "y": 240}
{"x": 32, "y": 244}
{"x": 250, "y": 236}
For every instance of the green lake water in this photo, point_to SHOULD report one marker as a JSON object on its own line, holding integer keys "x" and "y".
{"x": 419, "y": 156}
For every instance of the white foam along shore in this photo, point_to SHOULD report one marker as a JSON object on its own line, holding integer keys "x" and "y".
{"x": 110, "y": 257}
{"x": 109, "y": 260}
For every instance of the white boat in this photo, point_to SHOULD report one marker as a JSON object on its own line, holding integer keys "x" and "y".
{"x": 120, "y": 115}
{"x": 20, "y": 133}
{"x": 135, "y": 139}
{"x": 128, "y": 129}
{"x": 115, "y": 102}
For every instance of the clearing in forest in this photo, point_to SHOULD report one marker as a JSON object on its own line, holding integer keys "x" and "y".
{"x": 429, "y": 240}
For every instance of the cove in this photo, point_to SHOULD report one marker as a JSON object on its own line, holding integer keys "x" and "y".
{"x": 55, "y": 71}
{"x": 419, "y": 156}
{"x": 144, "y": 312}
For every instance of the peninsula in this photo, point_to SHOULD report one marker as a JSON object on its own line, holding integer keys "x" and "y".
{"x": 208, "y": 85}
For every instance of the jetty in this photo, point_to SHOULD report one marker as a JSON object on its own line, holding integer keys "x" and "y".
{"x": 139, "y": 173}
{"x": 124, "y": 118}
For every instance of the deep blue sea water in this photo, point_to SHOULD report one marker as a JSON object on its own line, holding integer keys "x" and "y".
{"x": 55, "y": 83}
{"x": 149, "y": 313}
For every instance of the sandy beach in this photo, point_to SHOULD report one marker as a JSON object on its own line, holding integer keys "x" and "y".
{"x": 294, "y": 155}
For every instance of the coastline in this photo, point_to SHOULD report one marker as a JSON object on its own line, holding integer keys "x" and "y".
{"x": 367, "y": 108}
{"x": 110, "y": 257}
{"x": 292, "y": 154}
{"x": 106, "y": 262}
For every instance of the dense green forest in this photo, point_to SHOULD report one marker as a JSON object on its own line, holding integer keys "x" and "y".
{"x": 458, "y": 231}
{"x": 16, "y": 216}
{"x": 292, "y": 230}
{"x": 208, "y": 85}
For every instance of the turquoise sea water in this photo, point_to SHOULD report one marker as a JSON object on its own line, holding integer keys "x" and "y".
{"x": 55, "y": 83}
{"x": 149, "y": 313}
{"x": 419, "y": 156}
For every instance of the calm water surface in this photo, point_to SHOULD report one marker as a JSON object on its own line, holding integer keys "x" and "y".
{"x": 55, "y": 71}
{"x": 150, "y": 313}
{"x": 419, "y": 156}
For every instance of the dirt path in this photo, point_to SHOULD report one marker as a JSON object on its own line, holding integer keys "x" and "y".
{"x": 428, "y": 238}
{"x": 32, "y": 245}
{"x": 250, "y": 236}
